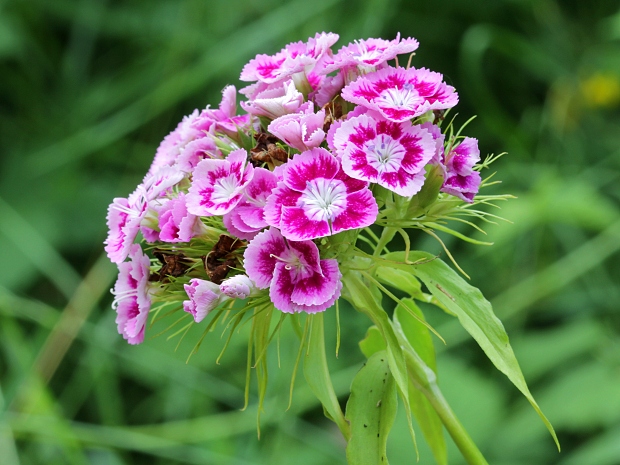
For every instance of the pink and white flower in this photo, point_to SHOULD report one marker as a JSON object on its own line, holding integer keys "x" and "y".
{"x": 170, "y": 148}
{"x": 237, "y": 287}
{"x": 316, "y": 198}
{"x": 248, "y": 217}
{"x": 195, "y": 151}
{"x": 131, "y": 295}
{"x": 123, "y": 220}
{"x": 368, "y": 55}
{"x": 390, "y": 154}
{"x": 176, "y": 224}
{"x": 204, "y": 296}
{"x": 298, "y": 280}
{"x": 225, "y": 118}
{"x": 218, "y": 185}
{"x": 461, "y": 180}
{"x": 302, "y": 131}
{"x": 401, "y": 94}
{"x": 276, "y": 100}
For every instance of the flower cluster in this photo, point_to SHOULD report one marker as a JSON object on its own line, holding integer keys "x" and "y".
{"x": 249, "y": 206}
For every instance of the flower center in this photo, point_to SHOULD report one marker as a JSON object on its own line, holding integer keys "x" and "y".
{"x": 406, "y": 98}
{"x": 224, "y": 189}
{"x": 323, "y": 199}
{"x": 385, "y": 154}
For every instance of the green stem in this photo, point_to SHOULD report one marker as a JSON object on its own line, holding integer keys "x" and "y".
{"x": 386, "y": 236}
{"x": 424, "y": 379}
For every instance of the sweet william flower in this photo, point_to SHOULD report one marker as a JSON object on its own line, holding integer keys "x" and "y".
{"x": 298, "y": 280}
{"x": 131, "y": 295}
{"x": 217, "y": 185}
{"x": 401, "y": 94}
{"x": 237, "y": 287}
{"x": 461, "y": 180}
{"x": 204, "y": 296}
{"x": 275, "y": 100}
{"x": 316, "y": 198}
{"x": 176, "y": 224}
{"x": 248, "y": 217}
{"x": 390, "y": 154}
{"x": 303, "y": 130}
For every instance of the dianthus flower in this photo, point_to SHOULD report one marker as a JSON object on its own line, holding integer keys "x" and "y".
{"x": 217, "y": 185}
{"x": 298, "y": 280}
{"x": 461, "y": 180}
{"x": 204, "y": 296}
{"x": 316, "y": 198}
{"x": 131, "y": 295}
{"x": 390, "y": 154}
{"x": 401, "y": 94}
{"x": 275, "y": 100}
{"x": 303, "y": 130}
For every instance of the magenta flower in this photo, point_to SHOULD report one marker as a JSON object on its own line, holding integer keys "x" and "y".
{"x": 195, "y": 151}
{"x": 316, "y": 198}
{"x": 368, "y": 55}
{"x": 298, "y": 280}
{"x": 435, "y": 131}
{"x": 390, "y": 154}
{"x": 123, "y": 220}
{"x": 276, "y": 100}
{"x": 204, "y": 296}
{"x": 217, "y": 185}
{"x": 237, "y": 287}
{"x": 461, "y": 180}
{"x": 401, "y": 94}
{"x": 302, "y": 131}
{"x": 294, "y": 58}
{"x": 176, "y": 224}
{"x": 248, "y": 217}
{"x": 225, "y": 118}
{"x": 131, "y": 295}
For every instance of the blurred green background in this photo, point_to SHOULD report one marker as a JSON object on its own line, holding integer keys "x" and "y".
{"x": 88, "y": 88}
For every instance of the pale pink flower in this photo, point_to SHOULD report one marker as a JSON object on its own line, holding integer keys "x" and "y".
{"x": 195, "y": 151}
{"x": 170, "y": 148}
{"x": 401, "y": 94}
{"x": 302, "y": 131}
{"x": 123, "y": 220}
{"x": 298, "y": 280}
{"x": 316, "y": 198}
{"x": 176, "y": 224}
{"x": 217, "y": 185}
{"x": 247, "y": 218}
{"x": 277, "y": 100}
{"x": 225, "y": 118}
{"x": 131, "y": 295}
{"x": 237, "y": 287}
{"x": 204, "y": 296}
{"x": 368, "y": 55}
{"x": 390, "y": 154}
{"x": 328, "y": 89}
{"x": 435, "y": 131}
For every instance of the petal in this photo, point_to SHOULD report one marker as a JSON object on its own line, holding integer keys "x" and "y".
{"x": 361, "y": 211}
{"x": 315, "y": 163}
{"x": 296, "y": 226}
{"x": 260, "y": 256}
{"x": 318, "y": 288}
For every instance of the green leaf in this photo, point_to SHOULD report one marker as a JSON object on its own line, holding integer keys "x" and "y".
{"x": 400, "y": 279}
{"x": 420, "y": 339}
{"x": 373, "y": 342}
{"x": 363, "y": 299}
{"x": 371, "y": 410}
{"x": 317, "y": 375}
{"x": 474, "y": 313}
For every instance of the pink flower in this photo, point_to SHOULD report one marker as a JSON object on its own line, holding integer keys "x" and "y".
{"x": 170, "y": 148}
{"x": 302, "y": 131}
{"x": 461, "y": 180}
{"x": 176, "y": 224}
{"x": 297, "y": 279}
{"x": 439, "y": 138}
{"x": 401, "y": 94}
{"x": 218, "y": 185}
{"x": 132, "y": 301}
{"x": 369, "y": 54}
{"x": 223, "y": 119}
{"x": 316, "y": 198}
{"x": 195, "y": 151}
{"x": 274, "y": 101}
{"x": 328, "y": 89}
{"x": 204, "y": 296}
{"x": 294, "y": 58}
{"x": 390, "y": 154}
{"x": 237, "y": 287}
{"x": 124, "y": 217}
{"x": 247, "y": 218}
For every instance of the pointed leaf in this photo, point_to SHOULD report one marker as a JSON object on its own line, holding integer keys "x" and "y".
{"x": 371, "y": 410}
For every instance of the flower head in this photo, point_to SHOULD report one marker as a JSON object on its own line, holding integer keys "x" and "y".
{"x": 297, "y": 279}
{"x": 316, "y": 198}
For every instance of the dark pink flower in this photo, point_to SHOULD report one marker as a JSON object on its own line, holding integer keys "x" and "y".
{"x": 302, "y": 131}
{"x": 316, "y": 198}
{"x": 176, "y": 224}
{"x": 248, "y": 217}
{"x": 390, "y": 154}
{"x": 461, "y": 180}
{"x": 401, "y": 94}
{"x": 298, "y": 280}
{"x": 217, "y": 185}
{"x": 225, "y": 118}
{"x": 131, "y": 295}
